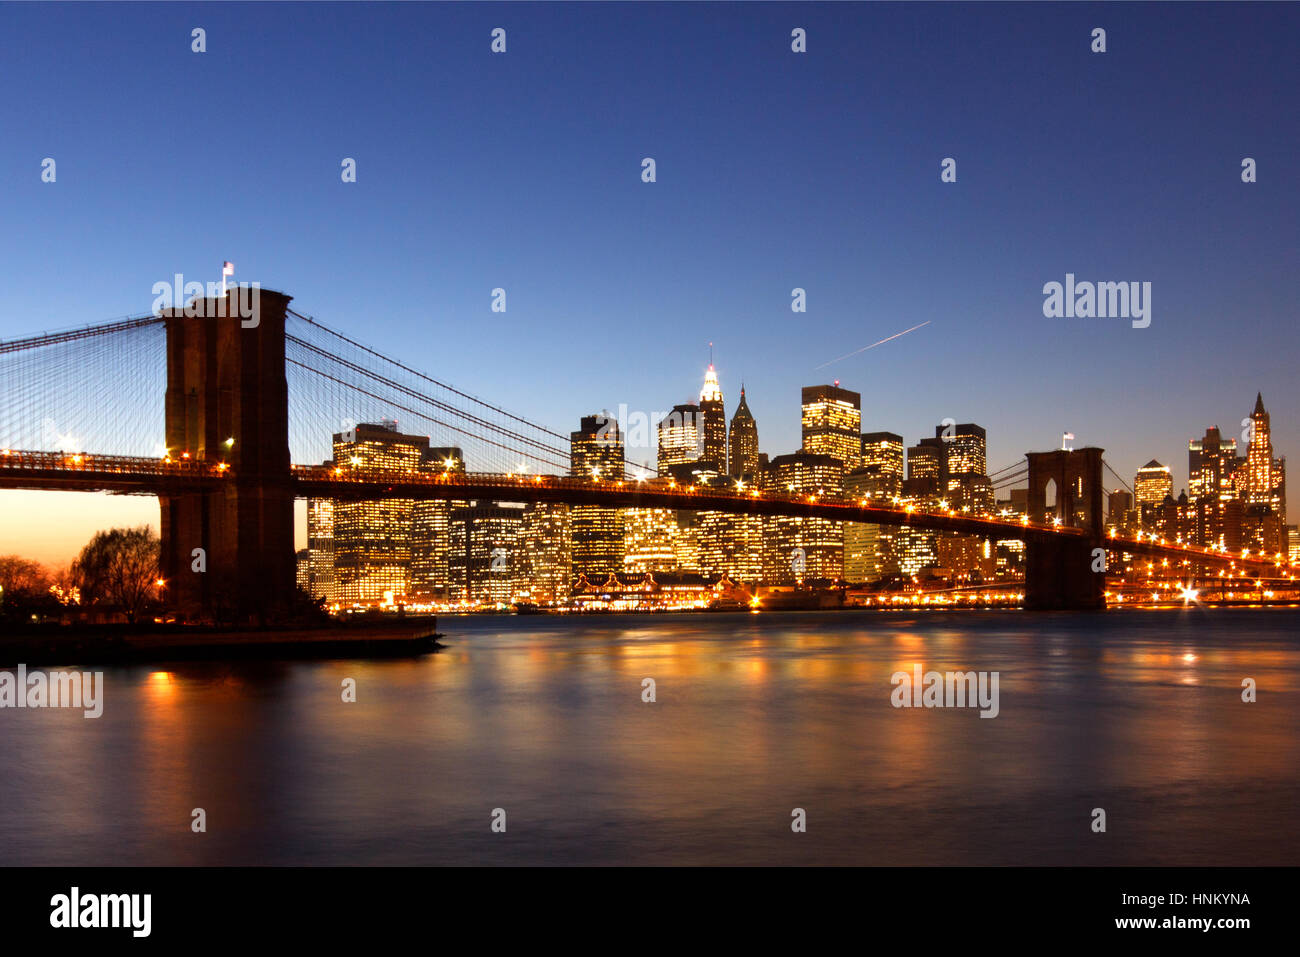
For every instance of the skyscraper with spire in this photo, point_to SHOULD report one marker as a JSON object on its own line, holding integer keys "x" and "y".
{"x": 1265, "y": 483}
{"x": 714, "y": 415}
{"x": 743, "y": 442}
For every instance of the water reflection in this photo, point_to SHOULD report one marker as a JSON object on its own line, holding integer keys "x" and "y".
{"x": 755, "y": 715}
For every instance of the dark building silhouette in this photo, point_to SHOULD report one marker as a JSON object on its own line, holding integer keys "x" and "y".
{"x": 743, "y": 459}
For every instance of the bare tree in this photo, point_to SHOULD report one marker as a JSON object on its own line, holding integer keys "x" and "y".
{"x": 23, "y": 582}
{"x": 120, "y": 567}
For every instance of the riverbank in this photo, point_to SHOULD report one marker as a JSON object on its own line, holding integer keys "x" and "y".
{"x": 122, "y": 644}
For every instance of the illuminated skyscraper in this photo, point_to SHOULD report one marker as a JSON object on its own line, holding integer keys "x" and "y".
{"x": 966, "y": 484}
{"x": 925, "y": 460}
{"x": 681, "y": 438}
{"x": 686, "y": 546}
{"x": 596, "y": 455}
{"x": 713, "y": 414}
{"x": 730, "y": 544}
{"x": 1265, "y": 475}
{"x": 965, "y": 448}
{"x": 649, "y": 539}
{"x": 799, "y": 550}
{"x": 302, "y": 575}
{"x": 1119, "y": 505}
{"x": 744, "y": 441}
{"x": 1211, "y": 462}
{"x": 484, "y": 555}
{"x": 832, "y": 423}
{"x": 1152, "y": 483}
{"x": 320, "y": 548}
{"x": 882, "y": 453}
{"x": 431, "y": 529}
{"x": 545, "y": 566}
{"x": 926, "y": 485}
{"x": 372, "y": 539}
{"x": 914, "y": 549}
{"x": 1264, "y": 487}
{"x": 869, "y": 549}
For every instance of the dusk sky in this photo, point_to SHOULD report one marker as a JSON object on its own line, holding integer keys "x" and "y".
{"x": 775, "y": 170}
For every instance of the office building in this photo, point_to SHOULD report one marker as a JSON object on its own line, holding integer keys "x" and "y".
{"x": 832, "y": 423}
{"x": 713, "y": 423}
{"x": 596, "y": 455}
{"x": 372, "y": 539}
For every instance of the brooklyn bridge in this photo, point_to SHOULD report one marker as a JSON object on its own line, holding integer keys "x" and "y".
{"x": 243, "y": 409}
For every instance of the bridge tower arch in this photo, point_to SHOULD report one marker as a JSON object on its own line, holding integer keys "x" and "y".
{"x": 1059, "y": 574}
{"x": 227, "y": 400}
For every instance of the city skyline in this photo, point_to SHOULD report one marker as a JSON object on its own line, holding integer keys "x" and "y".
{"x": 87, "y": 513}
{"x": 819, "y": 171}
{"x": 646, "y": 434}
{"x": 236, "y": 393}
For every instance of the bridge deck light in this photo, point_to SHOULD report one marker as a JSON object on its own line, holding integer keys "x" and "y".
{"x": 230, "y": 442}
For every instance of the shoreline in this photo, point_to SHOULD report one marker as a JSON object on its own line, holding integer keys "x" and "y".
{"x": 113, "y": 645}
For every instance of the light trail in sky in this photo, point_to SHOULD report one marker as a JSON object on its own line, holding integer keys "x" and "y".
{"x": 874, "y": 344}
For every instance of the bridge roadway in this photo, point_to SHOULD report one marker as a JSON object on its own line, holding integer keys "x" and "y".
{"x": 131, "y": 475}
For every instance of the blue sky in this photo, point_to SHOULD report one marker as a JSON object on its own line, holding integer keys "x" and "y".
{"x": 775, "y": 170}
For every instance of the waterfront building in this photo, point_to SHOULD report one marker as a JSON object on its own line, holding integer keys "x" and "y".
{"x": 372, "y": 539}
{"x": 868, "y": 547}
{"x": 545, "y": 560}
{"x": 431, "y": 529}
{"x": 484, "y": 554}
{"x": 596, "y": 455}
{"x": 320, "y": 547}
{"x": 649, "y": 539}
{"x": 803, "y": 550}
{"x": 730, "y": 544}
